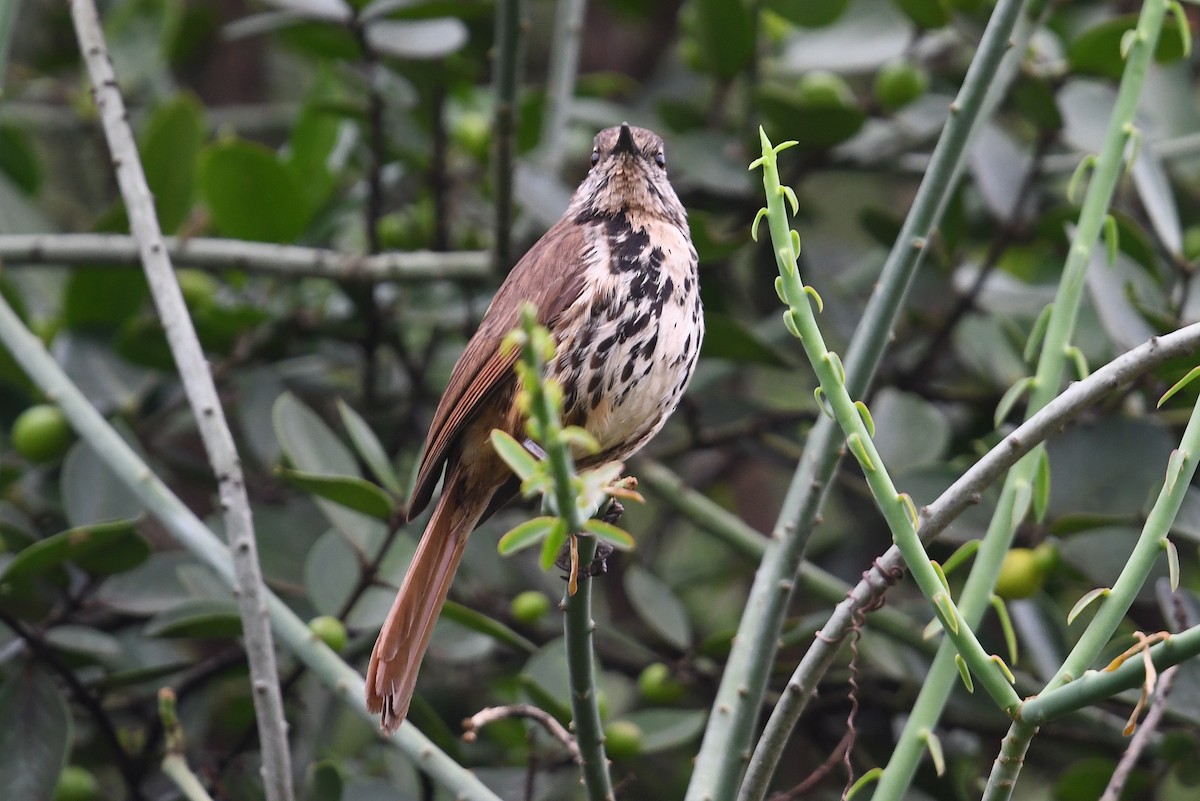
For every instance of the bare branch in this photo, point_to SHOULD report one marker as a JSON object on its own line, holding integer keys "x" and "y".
{"x": 543, "y": 718}
{"x": 202, "y": 395}
{"x": 261, "y": 257}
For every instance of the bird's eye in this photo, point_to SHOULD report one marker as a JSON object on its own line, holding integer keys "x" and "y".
{"x": 595, "y": 156}
{"x": 660, "y": 159}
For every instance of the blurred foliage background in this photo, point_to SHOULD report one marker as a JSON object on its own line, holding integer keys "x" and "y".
{"x": 373, "y": 127}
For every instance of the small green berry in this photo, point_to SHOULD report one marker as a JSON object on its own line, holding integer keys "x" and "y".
{"x": 329, "y": 630}
{"x": 530, "y": 606}
{"x": 823, "y": 89}
{"x": 623, "y": 739}
{"x": 899, "y": 83}
{"x": 76, "y": 784}
{"x": 41, "y": 433}
{"x": 657, "y": 686}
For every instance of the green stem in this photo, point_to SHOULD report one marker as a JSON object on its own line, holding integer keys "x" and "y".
{"x": 1014, "y": 496}
{"x": 187, "y": 529}
{"x": 176, "y": 769}
{"x": 508, "y": 58}
{"x": 1098, "y": 685}
{"x": 860, "y": 443}
{"x": 727, "y": 737}
{"x": 578, "y": 625}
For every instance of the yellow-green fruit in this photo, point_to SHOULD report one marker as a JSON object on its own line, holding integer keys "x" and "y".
{"x": 1191, "y": 242}
{"x": 198, "y": 287}
{"x": 899, "y": 83}
{"x": 76, "y": 784}
{"x": 623, "y": 739}
{"x": 822, "y": 89}
{"x": 1021, "y": 575}
{"x": 41, "y": 433}
{"x": 329, "y": 630}
{"x": 657, "y": 686}
{"x": 530, "y": 606}
{"x": 472, "y": 131}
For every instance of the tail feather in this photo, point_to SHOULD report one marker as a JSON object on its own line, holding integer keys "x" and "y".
{"x": 396, "y": 658}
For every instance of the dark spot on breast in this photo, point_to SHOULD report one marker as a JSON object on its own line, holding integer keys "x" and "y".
{"x": 628, "y": 371}
{"x": 649, "y": 345}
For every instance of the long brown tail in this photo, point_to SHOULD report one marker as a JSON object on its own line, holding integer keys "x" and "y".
{"x": 392, "y": 673}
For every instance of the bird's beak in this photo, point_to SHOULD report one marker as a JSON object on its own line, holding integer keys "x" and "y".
{"x": 625, "y": 143}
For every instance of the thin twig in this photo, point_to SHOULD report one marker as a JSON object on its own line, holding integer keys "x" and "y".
{"x": 291, "y": 261}
{"x": 539, "y": 716}
{"x": 202, "y": 396}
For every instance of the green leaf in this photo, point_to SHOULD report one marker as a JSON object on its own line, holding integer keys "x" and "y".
{"x": 1172, "y": 563}
{"x": 658, "y": 607}
{"x": 866, "y": 780}
{"x": 1180, "y": 384}
{"x": 103, "y": 299}
{"x": 726, "y": 35}
{"x": 726, "y": 338}
{"x": 86, "y": 643}
{"x": 1086, "y": 601}
{"x": 815, "y": 126}
{"x": 946, "y": 612}
{"x": 417, "y": 39}
{"x": 1010, "y": 398}
{"x": 960, "y": 555}
{"x": 554, "y": 543}
{"x": 514, "y": 454}
{"x": 941, "y": 574}
{"x": 324, "y": 781}
{"x": 855, "y": 443}
{"x": 614, "y": 536}
{"x": 964, "y": 673}
{"x": 370, "y": 449}
{"x": 352, "y": 492}
{"x": 202, "y": 617}
{"x": 1006, "y": 626}
{"x": 35, "y": 732}
{"x": 926, "y": 13}
{"x": 312, "y": 447}
{"x": 250, "y": 193}
{"x": 809, "y": 13}
{"x": 477, "y": 621}
{"x": 1175, "y": 464}
{"x": 312, "y": 141}
{"x": 1098, "y": 50}
{"x": 934, "y": 746}
{"x": 169, "y": 145}
{"x": 1041, "y": 486}
{"x": 102, "y": 549}
{"x": 91, "y": 491}
{"x": 18, "y": 160}
{"x": 527, "y": 534}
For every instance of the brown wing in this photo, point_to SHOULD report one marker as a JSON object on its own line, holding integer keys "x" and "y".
{"x": 550, "y": 276}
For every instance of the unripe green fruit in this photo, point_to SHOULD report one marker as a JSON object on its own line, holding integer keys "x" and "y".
{"x": 76, "y": 784}
{"x": 329, "y": 630}
{"x": 657, "y": 686}
{"x": 623, "y": 739}
{"x": 198, "y": 287}
{"x": 41, "y": 433}
{"x": 1191, "y": 242}
{"x": 1021, "y": 575}
{"x": 899, "y": 83}
{"x": 530, "y": 606}
{"x": 822, "y": 89}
